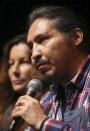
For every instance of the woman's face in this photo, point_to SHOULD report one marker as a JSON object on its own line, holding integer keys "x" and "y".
{"x": 20, "y": 68}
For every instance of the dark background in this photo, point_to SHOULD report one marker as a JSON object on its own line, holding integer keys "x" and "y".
{"x": 13, "y": 14}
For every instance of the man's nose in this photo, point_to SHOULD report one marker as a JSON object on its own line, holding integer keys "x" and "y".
{"x": 36, "y": 52}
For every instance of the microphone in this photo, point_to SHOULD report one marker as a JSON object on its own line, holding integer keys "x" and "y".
{"x": 34, "y": 86}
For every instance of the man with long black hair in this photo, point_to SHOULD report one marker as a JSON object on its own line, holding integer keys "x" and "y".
{"x": 60, "y": 47}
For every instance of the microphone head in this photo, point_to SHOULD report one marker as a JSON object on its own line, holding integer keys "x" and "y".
{"x": 34, "y": 86}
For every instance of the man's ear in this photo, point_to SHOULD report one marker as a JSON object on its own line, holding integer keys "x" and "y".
{"x": 77, "y": 37}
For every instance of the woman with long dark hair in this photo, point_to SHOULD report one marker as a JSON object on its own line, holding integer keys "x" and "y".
{"x": 17, "y": 71}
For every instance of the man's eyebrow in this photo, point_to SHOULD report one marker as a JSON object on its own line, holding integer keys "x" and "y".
{"x": 41, "y": 35}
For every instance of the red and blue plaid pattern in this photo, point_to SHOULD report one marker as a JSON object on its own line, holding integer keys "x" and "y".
{"x": 73, "y": 112}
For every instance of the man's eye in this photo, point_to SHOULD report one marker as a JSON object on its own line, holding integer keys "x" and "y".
{"x": 43, "y": 40}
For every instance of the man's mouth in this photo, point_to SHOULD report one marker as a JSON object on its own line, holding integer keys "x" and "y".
{"x": 43, "y": 66}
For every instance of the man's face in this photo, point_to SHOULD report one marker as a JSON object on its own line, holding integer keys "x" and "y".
{"x": 51, "y": 52}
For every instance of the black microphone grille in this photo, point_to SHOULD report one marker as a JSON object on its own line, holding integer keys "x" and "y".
{"x": 35, "y": 85}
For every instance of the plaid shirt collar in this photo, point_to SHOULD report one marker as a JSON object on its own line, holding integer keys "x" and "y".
{"x": 78, "y": 80}
{"x": 80, "y": 77}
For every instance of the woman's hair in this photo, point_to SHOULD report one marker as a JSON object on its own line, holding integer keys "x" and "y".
{"x": 5, "y": 65}
{"x": 10, "y": 96}
{"x": 15, "y": 41}
{"x": 65, "y": 20}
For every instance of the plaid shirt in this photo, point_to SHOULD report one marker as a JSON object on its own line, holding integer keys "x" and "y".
{"x": 68, "y": 109}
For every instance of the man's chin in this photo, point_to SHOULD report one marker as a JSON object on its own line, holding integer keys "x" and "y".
{"x": 47, "y": 79}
